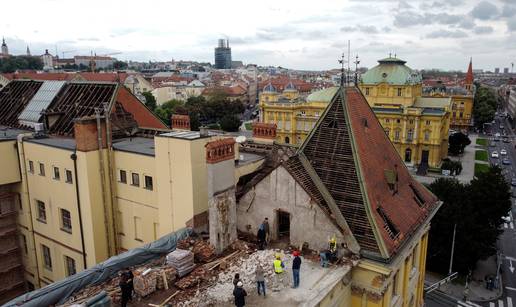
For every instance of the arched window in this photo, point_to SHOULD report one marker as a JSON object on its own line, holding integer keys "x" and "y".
{"x": 410, "y": 135}
{"x": 287, "y": 140}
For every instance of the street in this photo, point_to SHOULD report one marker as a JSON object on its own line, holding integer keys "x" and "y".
{"x": 507, "y": 241}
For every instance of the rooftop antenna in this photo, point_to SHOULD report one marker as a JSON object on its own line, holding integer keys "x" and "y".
{"x": 356, "y": 70}
{"x": 349, "y": 60}
{"x": 342, "y": 61}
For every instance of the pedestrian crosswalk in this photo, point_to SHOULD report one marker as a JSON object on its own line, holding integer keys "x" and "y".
{"x": 507, "y": 302}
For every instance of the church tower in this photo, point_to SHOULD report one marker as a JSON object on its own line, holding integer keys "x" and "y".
{"x": 28, "y": 51}
{"x": 5, "y": 50}
{"x": 468, "y": 82}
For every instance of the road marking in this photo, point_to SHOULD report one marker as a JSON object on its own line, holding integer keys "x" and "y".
{"x": 500, "y": 303}
{"x": 509, "y": 302}
{"x": 510, "y": 288}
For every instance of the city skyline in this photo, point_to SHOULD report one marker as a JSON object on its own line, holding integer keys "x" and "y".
{"x": 295, "y": 34}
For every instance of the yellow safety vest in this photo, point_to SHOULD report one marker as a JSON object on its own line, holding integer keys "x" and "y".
{"x": 277, "y": 266}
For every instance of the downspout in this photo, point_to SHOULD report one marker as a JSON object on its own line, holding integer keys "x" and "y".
{"x": 112, "y": 184}
{"x": 21, "y": 149}
{"x": 74, "y": 158}
{"x": 102, "y": 180}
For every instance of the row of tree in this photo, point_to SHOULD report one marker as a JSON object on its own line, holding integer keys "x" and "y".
{"x": 476, "y": 210}
{"x": 484, "y": 106}
{"x": 13, "y": 63}
{"x": 217, "y": 110}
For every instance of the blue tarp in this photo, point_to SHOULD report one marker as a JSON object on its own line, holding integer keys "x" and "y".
{"x": 59, "y": 292}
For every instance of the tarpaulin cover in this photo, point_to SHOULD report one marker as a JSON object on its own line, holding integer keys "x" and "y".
{"x": 59, "y": 292}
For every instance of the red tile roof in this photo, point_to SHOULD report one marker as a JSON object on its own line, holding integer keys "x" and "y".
{"x": 143, "y": 116}
{"x": 40, "y": 76}
{"x": 281, "y": 82}
{"x": 104, "y": 77}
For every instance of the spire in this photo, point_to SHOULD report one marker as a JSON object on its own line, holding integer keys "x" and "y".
{"x": 28, "y": 50}
{"x": 3, "y": 41}
{"x": 469, "y": 74}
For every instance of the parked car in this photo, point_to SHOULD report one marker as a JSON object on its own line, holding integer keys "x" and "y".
{"x": 492, "y": 144}
{"x": 506, "y": 162}
{"x": 501, "y": 127}
{"x": 496, "y": 139}
{"x": 503, "y": 152}
{"x": 506, "y": 140}
{"x": 497, "y": 134}
{"x": 495, "y": 154}
{"x": 513, "y": 182}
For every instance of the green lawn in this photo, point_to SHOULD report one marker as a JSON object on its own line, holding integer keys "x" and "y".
{"x": 481, "y": 168}
{"x": 482, "y": 142}
{"x": 481, "y": 155}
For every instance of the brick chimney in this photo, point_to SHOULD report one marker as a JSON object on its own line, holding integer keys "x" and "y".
{"x": 180, "y": 122}
{"x": 220, "y": 155}
{"x": 264, "y": 131}
{"x": 85, "y": 132}
{"x": 220, "y": 150}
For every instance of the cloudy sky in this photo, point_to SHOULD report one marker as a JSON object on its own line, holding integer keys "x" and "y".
{"x": 301, "y": 34}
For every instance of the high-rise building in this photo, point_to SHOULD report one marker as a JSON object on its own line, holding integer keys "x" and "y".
{"x": 497, "y": 70}
{"x": 506, "y": 70}
{"x": 223, "y": 55}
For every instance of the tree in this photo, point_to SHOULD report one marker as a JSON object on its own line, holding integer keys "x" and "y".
{"x": 230, "y": 123}
{"x": 13, "y": 63}
{"x": 150, "y": 100}
{"x": 119, "y": 65}
{"x": 476, "y": 209}
{"x": 484, "y": 106}
{"x": 457, "y": 142}
{"x": 168, "y": 108}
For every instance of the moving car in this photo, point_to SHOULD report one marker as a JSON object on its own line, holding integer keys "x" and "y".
{"x": 506, "y": 140}
{"x": 506, "y": 162}
{"x": 496, "y": 139}
{"x": 503, "y": 152}
{"x": 492, "y": 144}
{"x": 495, "y": 154}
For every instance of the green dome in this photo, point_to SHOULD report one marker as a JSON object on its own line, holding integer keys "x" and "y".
{"x": 325, "y": 95}
{"x": 392, "y": 71}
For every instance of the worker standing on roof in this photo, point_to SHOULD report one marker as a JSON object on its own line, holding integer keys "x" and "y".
{"x": 296, "y": 267}
{"x": 279, "y": 267}
{"x": 239, "y": 294}
{"x": 332, "y": 246}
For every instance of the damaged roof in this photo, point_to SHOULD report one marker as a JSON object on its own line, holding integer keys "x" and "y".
{"x": 69, "y": 101}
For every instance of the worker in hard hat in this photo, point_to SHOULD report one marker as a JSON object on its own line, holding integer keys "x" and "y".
{"x": 332, "y": 247}
{"x": 279, "y": 267}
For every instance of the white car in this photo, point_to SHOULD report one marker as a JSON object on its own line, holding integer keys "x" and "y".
{"x": 494, "y": 154}
{"x": 503, "y": 152}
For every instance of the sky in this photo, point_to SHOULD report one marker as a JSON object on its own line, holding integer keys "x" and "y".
{"x": 298, "y": 34}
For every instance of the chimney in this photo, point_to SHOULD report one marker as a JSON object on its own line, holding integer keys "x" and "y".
{"x": 180, "y": 122}
{"x": 85, "y": 132}
{"x": 203, "y": 131}
{"x": 264, "y": 131}
{"x": 220, "y": 156}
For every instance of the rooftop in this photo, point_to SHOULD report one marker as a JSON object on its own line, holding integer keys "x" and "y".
{"x": 187, "y": 135}
{"x": 7, "y": 133}
{"x": 138, "y": 145}
{"x": 57, "y": 142}
{"x": 432, "y": 102}
{"x": 392, "y": 71}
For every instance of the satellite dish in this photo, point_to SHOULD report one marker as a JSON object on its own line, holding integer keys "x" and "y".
{"x": 241, "y": 139}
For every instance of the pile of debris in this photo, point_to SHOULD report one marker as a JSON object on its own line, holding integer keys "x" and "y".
{"x": 182, "y": 260}
{"x": 202, "y": 250}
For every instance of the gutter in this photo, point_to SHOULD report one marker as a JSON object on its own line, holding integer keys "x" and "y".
{"x": 74, "y": 158}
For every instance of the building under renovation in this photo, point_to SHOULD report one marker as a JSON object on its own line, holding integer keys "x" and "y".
{"x": 92, "y": 173}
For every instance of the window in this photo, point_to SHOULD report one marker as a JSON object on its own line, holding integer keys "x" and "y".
{"x": 461, "y": 115}
{"x": 156, "y": 230}
{"x": 138, "y": 228}
{"x": 367, "y": 91}
{"x": 397, "y": 135}
{"x": 56, "y": 173}
{"x": 427, "y": 135}
{"x": 400, "y": 91}
{"x": 66, "y": 220}
{"x": 42, "y": 213}
{"x": 70, "y": 266}
{"x": 148, "y": 182}
{"x": 387, "y": 131}
{"x": 411, "y": 121}
{"x": 31, "y": 167}
{"x": 427, "y": 122}
{"x": 398, "y": 120}
{"x": 410, "y": 135}
{"x": 41, "y": 169}
{"x": 387, "y": 120}
{"x": 123, "y": 176}
{"x": 316, "y": 114}
{"x": 69, "y": 178}
{"x": 454, "y": 114}
{"x": 47, "y": 258}
{"x": 135, "y": 179}
{"x": 24, "y": 244}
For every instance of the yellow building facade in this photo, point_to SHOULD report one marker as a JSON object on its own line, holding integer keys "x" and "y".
{"x": 417, "y": 126}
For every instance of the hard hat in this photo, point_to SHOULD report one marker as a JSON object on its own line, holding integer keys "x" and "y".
{"x": 239, "y": 284}
{"x": 295, "y": 253}
{"x": 278, "y": 256}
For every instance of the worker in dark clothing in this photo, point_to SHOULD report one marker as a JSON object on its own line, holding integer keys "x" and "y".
{"x": 296, "y": 267}
{"x": 261, "y": 238}
{"x": 239, "y": 294}
{"x": 126, "y": 287}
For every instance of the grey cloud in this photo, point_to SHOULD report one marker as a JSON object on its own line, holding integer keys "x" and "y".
{"x": 404, "y": 5}
{"x": 360, "y": 28}
{"x": 483, "y": 30}
{"x": 511, "y": 25}
{"x": 508, "y": 10}
{"x": 485, "y": 11}
{"x": 447, "y": 34}
{"x": 426, "y": 5}
{"x": 412, "y": 18}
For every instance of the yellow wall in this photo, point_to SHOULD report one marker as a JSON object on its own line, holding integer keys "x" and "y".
{"x": 137, "y": 206}
{"x": 387, "y": 94}
{"x": 462, "y": 111}
{"x": 9, "y": 163}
